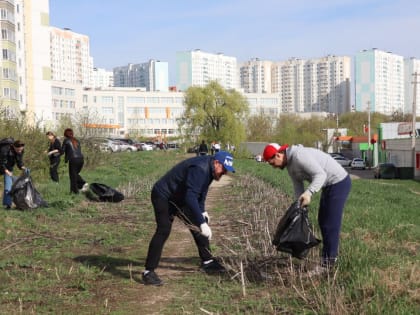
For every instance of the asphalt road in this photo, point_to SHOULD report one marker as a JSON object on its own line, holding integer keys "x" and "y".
{"x": 364, "y": 174}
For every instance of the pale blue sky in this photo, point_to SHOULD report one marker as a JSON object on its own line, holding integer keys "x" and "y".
{"x": 134, "y": 31}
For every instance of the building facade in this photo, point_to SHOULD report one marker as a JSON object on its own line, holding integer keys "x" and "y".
{"x": 198, "y": 68}
{"x": 70, "y": 57}
{"x": 411, "y": 77}
{"x": 152, "y": 76}
{"x": 379, "y": 82}
{"x": 102, "y": 78}
{"x": 255, "y": 76}
{"x": 9, "y": 84}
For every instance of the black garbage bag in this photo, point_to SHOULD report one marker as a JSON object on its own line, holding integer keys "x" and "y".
{"x": 24, "y": 194}
{"x": 106, "y": 193}
{"x": 294, "y": 233}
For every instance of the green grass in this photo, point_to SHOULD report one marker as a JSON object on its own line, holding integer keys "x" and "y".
{"x": 79, "y": 257}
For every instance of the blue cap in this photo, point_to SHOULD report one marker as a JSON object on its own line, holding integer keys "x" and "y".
{"x": 226, "y": 159}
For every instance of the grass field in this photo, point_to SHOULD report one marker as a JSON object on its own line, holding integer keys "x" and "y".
{"x": 84, "y": 257}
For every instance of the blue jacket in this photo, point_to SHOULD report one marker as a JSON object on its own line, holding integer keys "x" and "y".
{"x": 187, "y": 184}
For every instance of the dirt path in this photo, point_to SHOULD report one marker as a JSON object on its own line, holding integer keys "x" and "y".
{"x": 178, "y": 258}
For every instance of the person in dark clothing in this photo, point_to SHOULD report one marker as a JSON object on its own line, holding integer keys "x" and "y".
{"x": 54, "y": 153}
{"x": 13, "y": 157}
{"x": 182, "y": 191}
{"x": 202, "y": 149}
{"x": 73, "y": 155}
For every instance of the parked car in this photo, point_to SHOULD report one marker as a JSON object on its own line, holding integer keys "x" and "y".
{"x": 146, "y": 147}
{"x": 385, "y": 171}
{"x": 126, "y": 147}
{"x": 358, "y": 163}
{"x": 108, "y": 145}
{"x": 128, "y": 141}
{"x": 342, "y": 160}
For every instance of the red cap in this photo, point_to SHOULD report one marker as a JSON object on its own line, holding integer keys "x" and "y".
{"x": 271, "y": 149}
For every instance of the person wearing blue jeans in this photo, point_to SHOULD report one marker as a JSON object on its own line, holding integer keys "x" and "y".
{"x": 323, "y": 173}
{"x": 13, "y": 157}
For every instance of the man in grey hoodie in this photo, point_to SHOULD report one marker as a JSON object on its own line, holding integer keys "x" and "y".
{"x": 323, "y": 173}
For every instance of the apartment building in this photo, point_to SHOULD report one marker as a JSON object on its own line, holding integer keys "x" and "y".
{"x": 255, "y": 76}
{"x": 313, "y": 85}
{"x": 9, "y": 85}
{"x": 70, "y": 57}
{"x": 198, "y": 68}
{"x": 379, "y": 81}
{"x": 411, "y": 77}
{"x": 33, "y": 59}
{"x": 102, "y": 78}
{"x": 152, "y": 75}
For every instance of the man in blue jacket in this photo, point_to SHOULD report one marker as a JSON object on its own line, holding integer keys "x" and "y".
{"x": 182, "y": 191}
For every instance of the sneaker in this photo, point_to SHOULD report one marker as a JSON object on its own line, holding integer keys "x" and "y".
{"x": 85, "y": 187}
{"x": 212, "y": 267}
{"x": 151, "y": 278}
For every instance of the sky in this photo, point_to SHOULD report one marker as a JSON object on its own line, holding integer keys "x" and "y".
{"x": 134, "y": 31}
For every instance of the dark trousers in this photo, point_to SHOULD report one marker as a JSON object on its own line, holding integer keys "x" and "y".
{"x": 54, "y": 163}
{"x": 330, "y": 215}
{"x": 76, "y": 181}
{"x": 164, "y": 216}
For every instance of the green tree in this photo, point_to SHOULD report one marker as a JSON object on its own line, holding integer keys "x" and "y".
{"x": 260, "y": 127}
{"x": 213, "y": 113}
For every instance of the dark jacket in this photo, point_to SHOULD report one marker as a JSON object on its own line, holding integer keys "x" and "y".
{"x": 56, "y": 145}
{"x": 10, "y": 160}
{"x": 203, "y": 148}
{"x": 70, "y": 151}
{"x": 187, "y": 184}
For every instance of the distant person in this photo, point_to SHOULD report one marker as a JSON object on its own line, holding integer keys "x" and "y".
{"x": 53, "y": 153}
{"x": 323, "y": 173}
{"x": 216, "y": 147}
{"x": 203, "y": 149}
{"x": 13, "y": 156}
{"x": 183, "y": 191}
{"x": 73, "y": 155}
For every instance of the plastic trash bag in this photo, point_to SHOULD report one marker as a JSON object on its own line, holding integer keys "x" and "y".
{"x": 294, "y": 233}
{"x": 106, "y": 193}
{"x": 24, "y": 194}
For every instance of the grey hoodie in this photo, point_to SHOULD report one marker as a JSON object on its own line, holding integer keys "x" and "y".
{"x": 314, "y": 166}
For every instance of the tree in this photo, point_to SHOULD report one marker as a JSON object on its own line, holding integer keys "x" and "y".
{"x": 213, "y": 113}
{"x": 259, "y": 127}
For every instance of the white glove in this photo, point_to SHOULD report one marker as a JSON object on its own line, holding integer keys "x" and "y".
{"x": 305, "y": 198}
{"x": 205, "y": 230}
{"x": 206, "y": 217}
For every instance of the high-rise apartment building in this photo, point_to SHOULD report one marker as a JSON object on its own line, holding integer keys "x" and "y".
{"x": 379, "y": 81}
{"x": 9, "y": 88}
{"x": 255, "y": 76}
{"x": 152, "y": 75}
{"x": 33, "y": 59}
{"x": 313, "y": 85}
{"x": 102, "y": 78}
{"x": 198, "y": 68}
{"x": 70, "y": 57}
{"x": 411, "y": 71}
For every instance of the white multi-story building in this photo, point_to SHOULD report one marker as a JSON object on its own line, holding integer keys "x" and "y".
{"x": 33, "y": 59}
{"x": 379, "y": 81}
{"x": 102, "y": 78}
{"x": 198, "y": 68}
{"x": 9, "y": 101}
{"x": 255, "y": 76}
{"x": 152, "y": 76}
{"x": 313, "y": 85}
{"x": 411, "y": 70}
{"x": 70, "y": 57}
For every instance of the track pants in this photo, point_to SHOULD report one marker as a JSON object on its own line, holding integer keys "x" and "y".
{"x": 330, "y": 215}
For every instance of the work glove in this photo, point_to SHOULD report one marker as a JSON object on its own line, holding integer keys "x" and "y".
{"x": 305, "y": 198}
{"x": 205, "y": 230}
{"x": 206, "y": 217}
